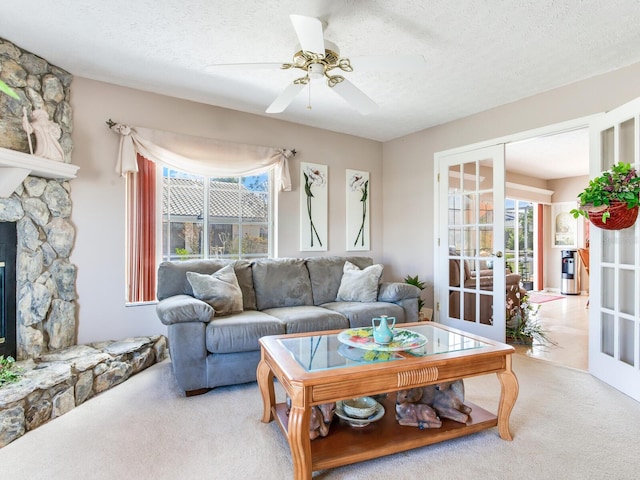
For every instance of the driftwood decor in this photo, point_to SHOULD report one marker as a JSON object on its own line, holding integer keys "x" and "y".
{"x": 321, "y": 418}
{"x": 423, "y": 407}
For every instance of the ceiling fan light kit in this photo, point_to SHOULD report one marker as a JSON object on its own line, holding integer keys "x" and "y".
{"x": 318, "y": 57}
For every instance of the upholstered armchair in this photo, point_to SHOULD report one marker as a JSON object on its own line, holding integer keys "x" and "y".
{"x": 460, "y": 275}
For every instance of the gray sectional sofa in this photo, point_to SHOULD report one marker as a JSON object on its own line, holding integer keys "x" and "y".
{"x": 214, "y": 343}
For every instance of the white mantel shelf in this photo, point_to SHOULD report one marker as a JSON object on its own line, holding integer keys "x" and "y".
{"x": 16, "y": 166}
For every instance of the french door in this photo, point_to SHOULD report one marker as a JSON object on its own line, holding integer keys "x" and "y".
{"x": 470, "y": 243}
{"x": 614, "y": 311}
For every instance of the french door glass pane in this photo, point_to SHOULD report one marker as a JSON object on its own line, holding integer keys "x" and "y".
{"x": 626, "y": 239}
{"x": 607, "y": 326}
{"x": 627, "y": 343}
{"x": 608, "y": 297}
{"x": 626, "y": 141}
{"x": 627, "y": 292}
{"x": 608, "y": 150}
{"x": 469, "y": 212}
{"x": 608, "y": 240}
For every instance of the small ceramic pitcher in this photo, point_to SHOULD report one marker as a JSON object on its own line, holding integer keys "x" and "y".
{"x": 382, "y": 332}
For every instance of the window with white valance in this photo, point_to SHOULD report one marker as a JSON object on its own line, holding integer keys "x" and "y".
{"x": 141, "y": 147}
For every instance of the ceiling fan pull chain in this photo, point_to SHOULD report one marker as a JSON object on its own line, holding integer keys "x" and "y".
{"x": 309, "y": 102}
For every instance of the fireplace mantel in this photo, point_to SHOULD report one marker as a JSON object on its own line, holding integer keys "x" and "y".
{"x": 16, "y": 166}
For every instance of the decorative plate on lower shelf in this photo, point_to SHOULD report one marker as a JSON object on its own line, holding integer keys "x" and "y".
{"x": 363, "y": 338}
{"x": 359, "y": 422}
{"x": 366, "y": 356}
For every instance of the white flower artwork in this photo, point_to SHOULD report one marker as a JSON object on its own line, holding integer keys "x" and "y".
{"x": 357, "y": 210}
{"x": 313, "y": 206}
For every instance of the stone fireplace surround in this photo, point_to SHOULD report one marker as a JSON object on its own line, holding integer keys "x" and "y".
{"x": 57, "y": 375}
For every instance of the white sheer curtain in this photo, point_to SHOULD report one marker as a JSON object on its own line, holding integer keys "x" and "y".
{"x": 199, "y": 155}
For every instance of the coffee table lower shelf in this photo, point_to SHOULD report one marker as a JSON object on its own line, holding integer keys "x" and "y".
{"x": 346, "y": 445}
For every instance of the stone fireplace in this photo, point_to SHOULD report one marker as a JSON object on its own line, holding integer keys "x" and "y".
{"x": 37, "y": 236}
{"x": 35, "y": 195}
{"x": 44, "y": 279}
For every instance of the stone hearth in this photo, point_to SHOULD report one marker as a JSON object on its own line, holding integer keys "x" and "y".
{"x": 58, "y": 382}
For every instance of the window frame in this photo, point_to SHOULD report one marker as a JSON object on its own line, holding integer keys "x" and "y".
{"x": 205, "y": 253}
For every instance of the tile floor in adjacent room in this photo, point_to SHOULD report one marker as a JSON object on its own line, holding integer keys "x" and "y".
{"x": 567, "y": 323}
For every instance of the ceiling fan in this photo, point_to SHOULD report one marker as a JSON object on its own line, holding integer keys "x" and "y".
{"x": 319, "y": 58}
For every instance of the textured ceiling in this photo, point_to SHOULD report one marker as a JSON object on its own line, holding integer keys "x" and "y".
{"x": 479, "y": 54}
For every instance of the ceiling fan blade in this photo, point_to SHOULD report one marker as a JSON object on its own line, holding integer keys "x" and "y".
{"x": 309, "y": 32}
{"x": 377, "y": 63}
{"x": 285, "y": 98}
{"x": 355, "y": 97}
{"x": 243, "y": 66}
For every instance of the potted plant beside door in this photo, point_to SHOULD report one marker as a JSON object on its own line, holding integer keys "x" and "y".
{"x": 611, "y": 200}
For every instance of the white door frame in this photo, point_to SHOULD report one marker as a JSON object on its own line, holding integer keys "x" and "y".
{"x": 614, "y": 258}
{"x": 467, "y": 180}
{"x": 548, "y": 130}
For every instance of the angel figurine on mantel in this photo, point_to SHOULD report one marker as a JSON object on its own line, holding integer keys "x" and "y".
{"x": 47, "y": 135}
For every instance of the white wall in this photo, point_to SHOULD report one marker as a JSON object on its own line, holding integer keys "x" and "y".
{"x": 565, "y": 190}
{"x": 408, "y": 161}
{"x": 98, "y": 192}
{"x": 401, "y": 207}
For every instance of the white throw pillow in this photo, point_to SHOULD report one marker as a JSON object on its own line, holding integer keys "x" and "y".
{"x": 220, "y": 290}
{"x": 359, "y": 285}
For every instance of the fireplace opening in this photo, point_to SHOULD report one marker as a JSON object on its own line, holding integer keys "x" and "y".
{"x": 8, "y": 241}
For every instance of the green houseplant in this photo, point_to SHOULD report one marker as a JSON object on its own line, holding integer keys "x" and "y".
{"x": 418, "y": 283}
{"x": 4, "y": 88}
{"x": 617, "y": 189}
{"x": 9, "y": 372}
{"x": 523, "y": 325}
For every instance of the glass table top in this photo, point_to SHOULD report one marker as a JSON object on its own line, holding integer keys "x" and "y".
{"x": 323, "y": 352}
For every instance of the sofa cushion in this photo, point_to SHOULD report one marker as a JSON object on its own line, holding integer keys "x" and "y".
{"x": 220, "y": 290}
{"x": 245, "y": 280}
{"x": 359, "y": 285}
{"x": 172, "y": 277}
{"x": 360, "y": 314}
{"x": 325, "y": 274}
{"x": 396, "y": 291}
{"x": 241, "y": 332}
{"x": 308, "y": 318}
{"x": 183, "y": 308}
{"x": 281, "y": 282}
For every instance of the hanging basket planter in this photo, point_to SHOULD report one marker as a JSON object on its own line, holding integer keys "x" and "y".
{"x": 617, "y": 193}
{"x": 620, "y": 216}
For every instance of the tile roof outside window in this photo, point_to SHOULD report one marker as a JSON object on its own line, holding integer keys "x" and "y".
{"x": 186, "y": 200}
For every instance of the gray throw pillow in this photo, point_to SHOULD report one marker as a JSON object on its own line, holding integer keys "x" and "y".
{"x": 220, "y": 290}
{"x": 359, "y": 285}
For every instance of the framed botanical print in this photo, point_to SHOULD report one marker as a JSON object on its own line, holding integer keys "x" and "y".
{"x": 564, "y": 227}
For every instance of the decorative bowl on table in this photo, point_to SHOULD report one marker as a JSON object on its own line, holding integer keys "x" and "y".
{"x": 361, "y": 407}
{"x": 359, "y": 422}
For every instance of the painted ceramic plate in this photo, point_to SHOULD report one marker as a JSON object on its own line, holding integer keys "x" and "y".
{"x": 366, "y": 356}
{"x": 359, "y": 422}
{"x": 363, "y": 338}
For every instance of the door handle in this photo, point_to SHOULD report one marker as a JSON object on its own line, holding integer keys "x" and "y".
{"x": 497, "y": 254}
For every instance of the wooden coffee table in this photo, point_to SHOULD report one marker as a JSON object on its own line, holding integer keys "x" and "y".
{"x": 316, "y": 368}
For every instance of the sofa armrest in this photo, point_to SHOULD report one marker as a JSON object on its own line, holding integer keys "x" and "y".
{"x": 393, "y": 292}
{"x": 183, "y": 308}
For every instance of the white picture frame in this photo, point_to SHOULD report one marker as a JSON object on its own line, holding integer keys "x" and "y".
{"x": 314, "y": 188}
{"x": 564, "y": 228}
{"x": 358, "y": 213}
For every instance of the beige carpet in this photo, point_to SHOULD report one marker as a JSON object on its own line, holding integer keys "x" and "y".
{"x": 566, "y": 425}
